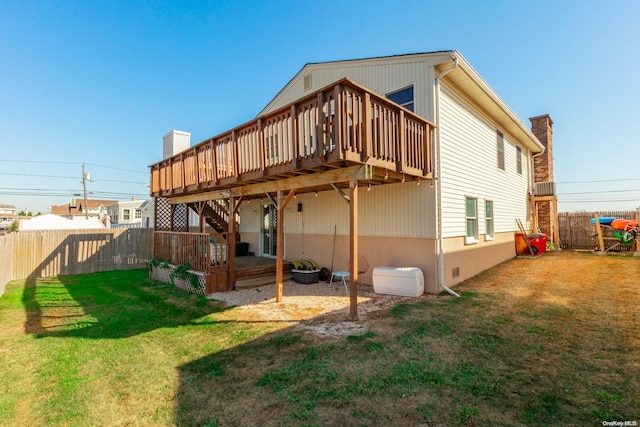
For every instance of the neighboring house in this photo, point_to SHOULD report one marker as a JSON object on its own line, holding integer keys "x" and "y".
{"x": 8, "y": 213}
{"x": 127, "y": 213}
{"x": 147, "y": 213}
{"x": 76, "y": 209}
{"x": 57, "y": 222}
{"x": 445, "y": 177}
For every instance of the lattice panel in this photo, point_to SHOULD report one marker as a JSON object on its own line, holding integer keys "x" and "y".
{"x": 180, "y": 218}
{"x": 162, "y": 214}
{"x": 194, "y": 283}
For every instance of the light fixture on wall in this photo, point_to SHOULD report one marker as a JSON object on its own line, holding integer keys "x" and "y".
{"x": 369, "y": 186}
{"x": 386, "y": 174}
{"x": 403, "y": 177}
{"x": 316, "y": 194}
{"x": 419, "y": 181}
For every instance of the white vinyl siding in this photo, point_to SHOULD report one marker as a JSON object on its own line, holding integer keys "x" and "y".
{"x": 394, "y": 210}
{"x": 469, "y": 168}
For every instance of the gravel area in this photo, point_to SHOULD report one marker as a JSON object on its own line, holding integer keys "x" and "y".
{"x": 318, "y": 308}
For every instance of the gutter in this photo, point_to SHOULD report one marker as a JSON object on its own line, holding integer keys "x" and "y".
{"x": 437, "y": 180}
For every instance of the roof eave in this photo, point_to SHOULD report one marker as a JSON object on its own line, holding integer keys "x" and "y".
{"x": 487, "y": 98}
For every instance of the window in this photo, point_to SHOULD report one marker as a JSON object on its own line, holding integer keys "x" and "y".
{"x": 519, "y": 159}
{"x": 472, "y": 219}
{"x": 126, "y": 214}
{"x": 404, "y": 97}
{"x": 138, "y": 214}
{"x": 500, "y": 140}
{"x": 488, "y": 217}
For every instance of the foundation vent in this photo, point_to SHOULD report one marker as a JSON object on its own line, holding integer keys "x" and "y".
{"x": 455, "y": 272}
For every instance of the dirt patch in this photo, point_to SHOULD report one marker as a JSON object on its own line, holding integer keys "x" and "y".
{"x": 318, "y": 308}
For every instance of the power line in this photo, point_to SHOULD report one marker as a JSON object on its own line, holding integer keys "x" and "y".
{"x": 69, "y": 163}
{"x": 71, "y": 177}
{"x": 598, "y": 181}
{"x": 600, "y": 192}
{"x": 40, "y": 161}
{"x": 114, "y": 168}
{"x": 115, "y": 180}
{"x": 41, "y": 176}
{"x": 599, "y": 201}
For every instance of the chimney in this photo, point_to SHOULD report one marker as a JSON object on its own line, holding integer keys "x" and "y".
{"x": 542, "y": 128}
{"x": 175, "y": 142}
{"x": 546, "y": 210}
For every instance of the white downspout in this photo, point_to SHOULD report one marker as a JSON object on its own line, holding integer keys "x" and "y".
{"x": 532, "y": 170}
{"x": 437, "y": 179}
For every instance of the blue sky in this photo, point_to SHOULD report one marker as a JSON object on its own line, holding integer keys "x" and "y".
{"x": 100, "y": 82}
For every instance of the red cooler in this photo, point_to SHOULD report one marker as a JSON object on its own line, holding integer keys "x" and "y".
{"x": 538, "y": 241}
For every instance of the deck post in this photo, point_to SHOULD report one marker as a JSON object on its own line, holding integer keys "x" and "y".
{"x": 353, "y": 250}
{"x": 279, "y": 244}
{"x": 231, "y": 248}
{"x": 281, "y": 204}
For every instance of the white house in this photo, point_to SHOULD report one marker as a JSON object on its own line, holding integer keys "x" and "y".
{"x": 8, "y": 212}
{"x": 126, "y": 213}
{"x": 441, "y": 190}
{"x": 56, "y": 222}
{"x": 76, "y": 209}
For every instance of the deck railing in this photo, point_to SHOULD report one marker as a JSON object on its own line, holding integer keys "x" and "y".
{"x": 204, "y": 252}
{"x": 342, "y": 122}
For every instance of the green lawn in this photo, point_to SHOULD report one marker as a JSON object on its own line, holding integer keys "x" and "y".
{"x": 517, "y": 349}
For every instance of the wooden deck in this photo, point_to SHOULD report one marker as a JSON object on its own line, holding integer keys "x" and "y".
{"x": 337, "y": 127}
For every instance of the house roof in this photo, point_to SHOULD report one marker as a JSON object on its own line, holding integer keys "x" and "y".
{"x": 76, "y": 210}
{"x": 467, "y": 80}
{"x": 56, "y": 222}
{"x": 464, "y": 77}
{"x": 7, "y": 206}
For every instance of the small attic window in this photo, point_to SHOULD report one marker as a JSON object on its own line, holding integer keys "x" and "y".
{"x": 307, "y": 82}
{"x": 404, "y": 97}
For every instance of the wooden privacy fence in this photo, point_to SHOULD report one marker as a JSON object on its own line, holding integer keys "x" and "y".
{"x": 48, "y": 253}
{"x": 577, "y": 232}
{"x": 6, "y": 261}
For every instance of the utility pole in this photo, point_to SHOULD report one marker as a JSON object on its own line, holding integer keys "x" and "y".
{"x": 84, "y": 186}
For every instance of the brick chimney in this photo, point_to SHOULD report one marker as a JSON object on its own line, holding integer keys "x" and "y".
{"x": 175, "y": 142}
{"x": 542, "y": 128}
{"x": 546, "y": 209}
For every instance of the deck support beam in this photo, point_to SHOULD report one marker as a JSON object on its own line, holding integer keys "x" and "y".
{"x": 340, "y": 192}
{"x": 231, "y": 248}
{"x": 353, "y": 250}
{"x": 361, "y": 172}
{"x": 281, "y": 204}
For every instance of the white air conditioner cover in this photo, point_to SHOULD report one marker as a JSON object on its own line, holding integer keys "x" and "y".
{"x": 403, "y": 281}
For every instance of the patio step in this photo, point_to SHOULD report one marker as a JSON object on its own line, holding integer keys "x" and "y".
{"x": 262, "y": 280}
